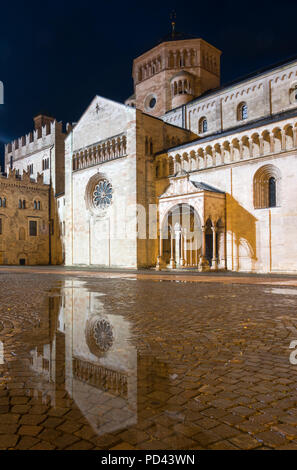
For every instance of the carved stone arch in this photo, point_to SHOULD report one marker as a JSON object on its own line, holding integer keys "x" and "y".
{"x": 277, "y": 139}
{"x": 218, "y": 154}
{"x": 185, "y": 161}
{"x": 263, "y": 178}
{"x": 235, "y": 154}
{"x": 226, "y": 151}
{"x": 178, "y": 163}
{"x": 288, "y": 136}
{"x": 193, "y": 160}
{"x": 170, "y": 166}
{"x": 209, "y": 156}
{"x": 266, "y": 142}
{"x": 245, "y": 152}
{"x": 256, "y": 144}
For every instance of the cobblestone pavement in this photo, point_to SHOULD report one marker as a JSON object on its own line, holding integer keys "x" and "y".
{"x": 125, "y": 361}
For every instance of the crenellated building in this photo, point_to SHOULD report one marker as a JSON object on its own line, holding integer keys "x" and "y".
{"x": 39, "y": 153}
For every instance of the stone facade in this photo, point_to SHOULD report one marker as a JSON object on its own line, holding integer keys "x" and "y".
{"x": 186, "y": 174}
{"x": 24, "y": 220}
{"x": 112, "y": 143}
{"x": 41, "y": 152}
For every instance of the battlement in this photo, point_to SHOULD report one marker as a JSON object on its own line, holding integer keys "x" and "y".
{"x": 33, "y": 141}
{"x": 12, "y": 176}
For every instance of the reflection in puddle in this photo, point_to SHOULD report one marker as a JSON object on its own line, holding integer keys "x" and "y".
{"x": 281, "y": 290}
{"x": 90, "y": 351}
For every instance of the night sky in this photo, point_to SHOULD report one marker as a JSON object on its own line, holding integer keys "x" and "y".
{"x": 56, "y": 56}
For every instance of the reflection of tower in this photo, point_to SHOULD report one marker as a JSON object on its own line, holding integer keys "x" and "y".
{"x": 47, "y": 359}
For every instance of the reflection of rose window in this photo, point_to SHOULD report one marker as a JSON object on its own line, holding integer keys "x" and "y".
{"x": 102, "y": 195}
{"x": 103, "y": 335}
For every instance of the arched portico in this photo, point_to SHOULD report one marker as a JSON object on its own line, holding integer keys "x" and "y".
{"x": 181, "y": 236}
{"x": 191, "y": 226}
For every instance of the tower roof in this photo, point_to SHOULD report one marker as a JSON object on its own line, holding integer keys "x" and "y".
{"x": 176, "y": 36}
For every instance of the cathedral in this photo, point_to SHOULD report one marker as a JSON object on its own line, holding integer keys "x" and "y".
{"x": 186, "y": 174}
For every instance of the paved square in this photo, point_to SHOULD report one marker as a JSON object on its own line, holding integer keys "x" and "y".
{"x": 146, "y": 360}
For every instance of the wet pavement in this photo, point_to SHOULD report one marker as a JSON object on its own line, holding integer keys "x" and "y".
{"x": 93, "y": 360}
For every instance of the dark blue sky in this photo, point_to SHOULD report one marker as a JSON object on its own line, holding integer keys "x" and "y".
{"x": 56, "y": 55}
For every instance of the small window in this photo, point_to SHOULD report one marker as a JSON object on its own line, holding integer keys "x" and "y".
{"x": 38, "y": 205}
{"x": 242, "y": 112}
{"x": 202, "y": 125}
{"x": 35, "y": 205}
{"x": 20, "y": 204}
{"x": 0, "y": 226}
{"x": 0, "y": 201}
{"x": 11, "y": 162}
{"x": 33, "y": 228}
{"x": 4, "y": 202}
{"x": 24, "y": 204}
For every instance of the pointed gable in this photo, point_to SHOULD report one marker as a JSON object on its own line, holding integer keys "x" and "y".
{"x": 102, "y": 119}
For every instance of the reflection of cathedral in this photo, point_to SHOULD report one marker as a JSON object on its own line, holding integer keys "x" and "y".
{"x": 87, "y": 352}
{"x": 219, "y": 162}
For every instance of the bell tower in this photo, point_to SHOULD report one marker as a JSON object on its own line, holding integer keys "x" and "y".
{"x": 179, "y": 68}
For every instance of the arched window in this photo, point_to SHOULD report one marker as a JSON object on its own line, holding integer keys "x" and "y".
{"x": 267, "y": 187}
{"x": 0, "y": 201}
{"x": 4, "y": 202}
{"x": 35, "y": 205}
{"x": 38, "y": 205}
{"x": 24, "y": 204}
{"x": 203, "y": 125}
{"x": 20, "y": 204}
{"x": 242, "y": 112}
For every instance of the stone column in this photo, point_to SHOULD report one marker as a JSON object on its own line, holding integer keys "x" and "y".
{"x": 271, "y": 137}
{"x": 231, "y": 153}
{"x": 159, "y": 258}
{"x": 283, "y": 139}
{"x": 172, "y": 262}
{"x": 203, "y": 263}
{"x": 214, "y": 249}
{"x": 240, "y": 150}
{"x": 178, "y": 258}
{"x": 251, "y": 147}
{"x": 294, "y": 137}
{"x": 185, "y": 247}
{"x": 261, "y": 149}
{"x": 182, "y": 259}
{"x": 222, "y": 248}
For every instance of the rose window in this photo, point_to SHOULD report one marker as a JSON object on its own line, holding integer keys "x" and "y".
{"x": 103, "y": 334}
{"x": 102, "y": 195}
